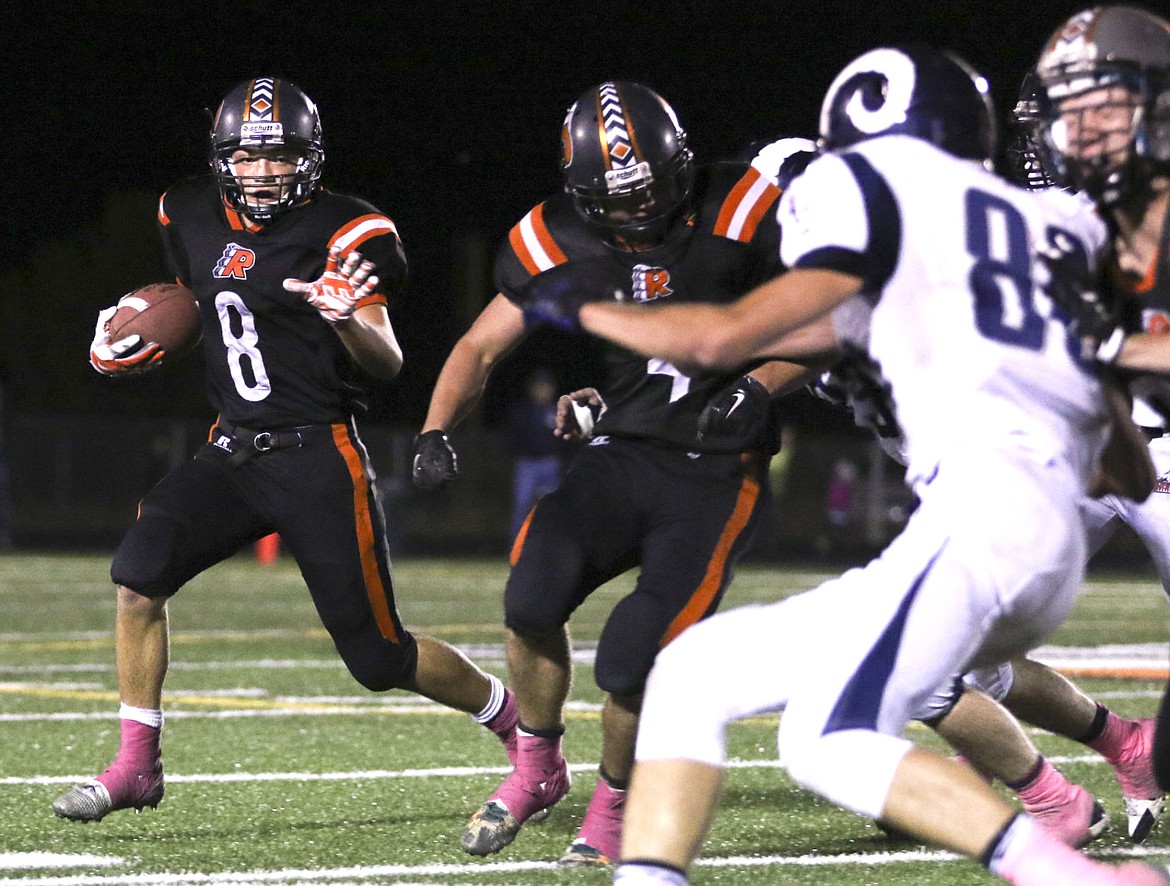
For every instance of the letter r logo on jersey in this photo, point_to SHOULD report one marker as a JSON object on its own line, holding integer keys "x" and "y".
{"x": 235, "y": 262}
{"x": 650, "y": 283}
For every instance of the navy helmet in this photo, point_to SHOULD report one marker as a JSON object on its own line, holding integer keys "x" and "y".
{"x": 1029, "y": 161}
{"x": 911, "y": 90}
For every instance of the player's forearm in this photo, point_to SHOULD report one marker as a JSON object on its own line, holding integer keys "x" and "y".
{"x": 370, "y": 340}
{"x": 458, "y": 389}
{"x": 1145, "y": 352}
{"x": 680, "y": 334}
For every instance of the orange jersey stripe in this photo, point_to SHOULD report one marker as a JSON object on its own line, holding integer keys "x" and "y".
{"x": 534, "y": 245}
{"x": 518, "y": 544}
{"x": 701, "y": 600}
{"x": 365, "y": 533}
{"x": 1151, "y": 277}
{"x": 163, "y": 218}
{"x": 353, "y": 234}
{"x": 747, "y": 203}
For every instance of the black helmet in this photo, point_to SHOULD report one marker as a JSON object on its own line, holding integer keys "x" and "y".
{"x": 911, "y": 90}
{"x": 1122, "y": 55}
{"x": 267, "y": 112}
{"x": 626, "y": 163}
{"x": 1030, "y": 163}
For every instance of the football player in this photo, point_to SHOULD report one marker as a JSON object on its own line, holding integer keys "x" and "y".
{"x": 1106, "y": 74}
{"x": 1048, "y": 700}
{"x": 903, "y": 242}
{"x": 636, "y": 212}
{"x": 292, "y": 282}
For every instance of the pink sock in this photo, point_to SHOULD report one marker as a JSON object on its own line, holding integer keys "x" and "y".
{"x": 140, "y": 748}
{"x": 1047, "y": 787}
{"x": 1112, "y": 738}
{"x": 1026, "y": 855}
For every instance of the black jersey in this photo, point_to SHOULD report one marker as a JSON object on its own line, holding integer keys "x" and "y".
{"x": 1146, "y": 308}
{"x": 272, "y": 361}
{"x": 730, "y": 246}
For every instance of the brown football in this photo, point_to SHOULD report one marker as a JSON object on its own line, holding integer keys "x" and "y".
{"x": 166, "y": 313}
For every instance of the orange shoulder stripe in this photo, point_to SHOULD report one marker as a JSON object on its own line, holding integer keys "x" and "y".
{"x": 533, "y": 243}
{"x": 745, "y": 206}
{"x": 356, "y": 232}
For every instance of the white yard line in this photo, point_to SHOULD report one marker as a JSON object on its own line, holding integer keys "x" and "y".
{"x": 362, "y": 874}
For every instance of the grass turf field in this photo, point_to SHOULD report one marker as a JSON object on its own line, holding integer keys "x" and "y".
{"x": 283, "y": 770}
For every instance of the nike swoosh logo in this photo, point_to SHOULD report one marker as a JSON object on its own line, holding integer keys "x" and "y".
{"x": 736, "y": 399}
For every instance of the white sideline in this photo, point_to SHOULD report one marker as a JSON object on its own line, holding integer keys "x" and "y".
{"x": 358, "y": 875}
{"x": 385, "y": 774}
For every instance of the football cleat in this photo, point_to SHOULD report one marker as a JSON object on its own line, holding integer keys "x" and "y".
{"x": 1144, "y": 801}
{"x": 1076, "y": 820}
{"x": 518, "y": 800}
{"x": 599, "y": 841}
{"x": 582, "y": 855}
{"x": 92, "y": 801}
{"x": 1142, "y": 815}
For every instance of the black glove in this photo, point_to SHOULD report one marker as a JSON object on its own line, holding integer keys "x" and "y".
{"x": 555, "y": 296}
{"x": 736, "y": 416}
{"x": 1074, "y": 291}
{"x": 435, "y": 464}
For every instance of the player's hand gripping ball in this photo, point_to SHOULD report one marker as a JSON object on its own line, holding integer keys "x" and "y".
{"x": 146, "y": 325}
{"x": 338, "y": 291}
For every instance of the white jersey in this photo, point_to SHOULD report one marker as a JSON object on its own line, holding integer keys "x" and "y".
{"x": 957, "y": 317}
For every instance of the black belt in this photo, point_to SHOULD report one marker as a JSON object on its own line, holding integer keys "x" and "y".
{"x": 245, "y": 443}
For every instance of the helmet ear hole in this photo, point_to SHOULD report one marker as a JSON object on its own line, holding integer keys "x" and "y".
{"x": 911, "y": 90}
{"x": 259, "y": 115}
{"x": 626, "y": 165}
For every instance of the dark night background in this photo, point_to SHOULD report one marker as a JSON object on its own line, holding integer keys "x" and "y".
{"x": 445, "y": 115}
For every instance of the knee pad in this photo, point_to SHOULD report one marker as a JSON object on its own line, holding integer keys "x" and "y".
{"x": 995, "y": 680}
{"x": 852, "y": 768}
{"x": 684, "y": 714}
{"x": 939, "y": 703}
{"x": 629, "y": 643}
{"x": 377, "y": 664}
{"x": 144, "y": 560}
{"x": 542, "y": 591}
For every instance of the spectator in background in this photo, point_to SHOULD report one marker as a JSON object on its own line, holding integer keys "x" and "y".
{"x": 536, "y": 451}
{"x": 838, "y": 504}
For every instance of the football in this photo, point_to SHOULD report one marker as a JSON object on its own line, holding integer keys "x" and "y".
{"x": 166, "y": 313}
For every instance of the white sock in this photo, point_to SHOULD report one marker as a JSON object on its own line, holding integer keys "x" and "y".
{"x": 145, "y": 716}
{"x": 648, "y": 874}
{"x": 495, "y": 701}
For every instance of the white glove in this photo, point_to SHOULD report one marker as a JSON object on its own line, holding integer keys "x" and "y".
{"x": 336, "y": 293}
{"x": 126, "y": 356}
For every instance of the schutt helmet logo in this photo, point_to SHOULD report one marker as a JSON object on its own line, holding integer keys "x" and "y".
{"x": 650, "y": 283}
{"x": 235, "y": 262}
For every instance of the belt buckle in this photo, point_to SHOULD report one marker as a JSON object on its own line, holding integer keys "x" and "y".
{"x": 264, "y": 442}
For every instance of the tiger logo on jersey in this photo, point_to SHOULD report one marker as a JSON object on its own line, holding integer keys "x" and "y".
{"x": 235, "y": 262}
{"x": 650, "y": 282}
